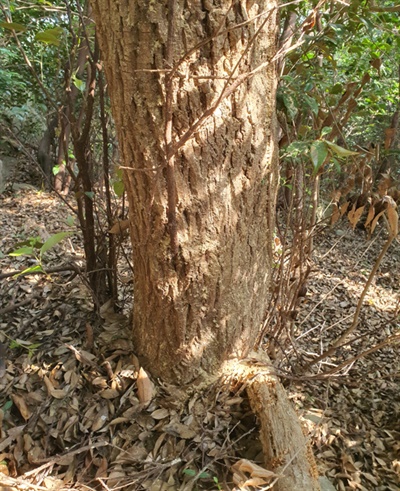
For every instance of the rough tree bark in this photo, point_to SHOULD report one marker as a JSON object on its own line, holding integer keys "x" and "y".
{"x": 201, "y": 202}
{"x": 192, "y": 86}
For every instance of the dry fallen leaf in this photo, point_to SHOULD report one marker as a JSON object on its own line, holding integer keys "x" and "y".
{"x": 109, "y": 393}
{"x": 360, "y": 418}
{"x": 19, "y": 401}
{"x": 160, "y": 413}
{"x": 119, "y": 227}
{"x": 180, "y": 430}
{"x": 83, "y": 356}
{"x": 370, "y": 216}
{"x": 375, "y": 221}
{"x": 115, "y": 477}
{"x": 102, "y": 470}
{"x": 100, "y": 419}
{"x": 145, "y": 387}
{"x": 343, "y": 208}
{"x": 244, "y": 465}
{"x": 254, "y": 481}
{"x": 335, "y": 214}
{"x": 52, "y": 483}
{"x": 56, "y": 393}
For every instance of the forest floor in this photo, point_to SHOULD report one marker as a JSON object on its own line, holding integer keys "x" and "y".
{"x": 71, "y": 394}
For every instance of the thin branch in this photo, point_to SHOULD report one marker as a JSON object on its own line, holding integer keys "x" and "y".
{"x": 374, "y": 8}
{"x": 334, "y": 371}
{"x": 57, "y": 269}
{"x": 221, "y": 32}
{"x": 169, "y": 151}
{"x": 151, "y": 169}
{"x": 57, "y": 459}
{"x": 15, "y": 306}
{"x": 386, "y": 342}
{"x": 354, "y": 324}
{"x": 227, "y": 90}
{"x": 33, "y": 160}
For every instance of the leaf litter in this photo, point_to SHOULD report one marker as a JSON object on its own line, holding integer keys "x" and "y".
{"x": 353, "y": 415}
{"x": 81, "y": 413}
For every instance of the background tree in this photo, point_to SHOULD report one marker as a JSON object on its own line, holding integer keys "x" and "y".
{"x": 64, "y": 79}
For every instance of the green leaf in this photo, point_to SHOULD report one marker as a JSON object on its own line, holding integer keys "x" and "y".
{"x": 79, "y": 84}
{"x": 340, "y": 151}
{"x": 31, "y": 269}
{"x": 7, "y": 406}
{"x": 392, "y": 151}
{"x": 318, "y": 152}
{"x": 290, "y": 105}
{"x": 204, "y": 475}
{"x": 53, "y": 240}
{"x": 325, "y": 131}
{"x": 70, "y": 221}
{"x": 22, "y": 251}
{"x": 189, "y": 472}
{"x": 34, "y": 242}
{"x": 311, "y": 103}
{"x": 336, "y": 89}
{"x": 309, "y": 86}
{"x": 303, "y": 130}
{"x": 295, "y": 149}
{"x": 119, "y": 188}
{"x": 336, "y": 164}
{"x": 34, "y": 346}
{"x": 89, "y": 194}
{"x": 367, "y": 23}
{"x": 56, "y": 170}
{"x": 13, "y": 26}
{"x": 50, "y": 36}
{"x": 308, "y": 56}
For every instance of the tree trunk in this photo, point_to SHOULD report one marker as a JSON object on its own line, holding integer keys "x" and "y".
{"x": 44, "y": 151}
{"x": 192, "y": 87}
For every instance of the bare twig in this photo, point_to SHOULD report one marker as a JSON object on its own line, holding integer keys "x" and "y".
{"x": 354, "y": 324}
{"x": 374, "y": 8}
{"x": 57, "y": 459}
{"x": 56, "y": 269}
{"x": 33, "y": 160}
{"x": 228, "y": 89}
{"x": 169, "y": 152}
{"x": 15, "y": 306}
{"x": 386, "y": 342}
